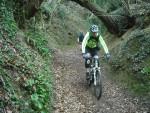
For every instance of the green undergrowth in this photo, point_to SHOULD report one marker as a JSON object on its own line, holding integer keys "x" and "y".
{"x": 37, "y": 39}
{"x": 25, "y": 71}
{"x": 132, "y": 62}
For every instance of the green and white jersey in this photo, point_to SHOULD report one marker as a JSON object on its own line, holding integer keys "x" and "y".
{"x": 91, "y": 42}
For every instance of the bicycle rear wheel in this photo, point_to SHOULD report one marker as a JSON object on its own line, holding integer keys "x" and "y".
{"x": 98, "y": 86}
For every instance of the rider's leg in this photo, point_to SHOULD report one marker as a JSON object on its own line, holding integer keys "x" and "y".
{"x": 95, "y": 54}
{"x": 87, "y": 64}
{"x": 96, "y": 58}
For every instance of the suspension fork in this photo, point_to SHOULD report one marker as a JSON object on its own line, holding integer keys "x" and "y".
{"x": 94, "y": 76}
{"x": 96, "y": 68}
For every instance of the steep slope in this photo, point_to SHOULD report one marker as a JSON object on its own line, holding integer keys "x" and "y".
{"x": 131, "y": 57}
{"x": 26, "y": 54}
{"x": 25, "y": 73}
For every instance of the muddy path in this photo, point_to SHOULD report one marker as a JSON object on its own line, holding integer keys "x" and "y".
{"x": 72, "y": 94}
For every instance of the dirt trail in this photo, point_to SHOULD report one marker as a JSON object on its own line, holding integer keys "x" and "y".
{"x": 72, "y": 94}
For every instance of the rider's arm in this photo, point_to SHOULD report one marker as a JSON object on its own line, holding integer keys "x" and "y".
{"x": 85, "y": 42}
{"x": 102, "y": 42}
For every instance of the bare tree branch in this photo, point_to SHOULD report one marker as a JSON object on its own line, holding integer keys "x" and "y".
{"x": 115, "y": 24}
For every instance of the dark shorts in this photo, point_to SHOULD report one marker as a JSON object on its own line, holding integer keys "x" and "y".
{"x": 93, "y": 52}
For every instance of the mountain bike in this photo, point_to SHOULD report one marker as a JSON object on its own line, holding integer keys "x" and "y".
{"x": 95, "y": 76}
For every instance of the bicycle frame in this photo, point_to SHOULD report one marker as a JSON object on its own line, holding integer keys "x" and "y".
{"x": 94, "y": 68}
{"x": 95, "y": 76}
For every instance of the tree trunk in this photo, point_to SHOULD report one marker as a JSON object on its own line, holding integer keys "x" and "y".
{"x": 116, "y": 24}
{"x": 25, "y": 9}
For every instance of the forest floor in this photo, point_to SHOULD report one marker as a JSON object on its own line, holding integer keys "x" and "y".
{"x": 73, "y": 95}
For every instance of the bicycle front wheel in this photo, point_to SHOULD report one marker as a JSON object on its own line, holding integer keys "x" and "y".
{"x": 98, "y": 86}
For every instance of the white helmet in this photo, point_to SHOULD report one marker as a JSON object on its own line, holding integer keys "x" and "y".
{"x": 94, "y": 28}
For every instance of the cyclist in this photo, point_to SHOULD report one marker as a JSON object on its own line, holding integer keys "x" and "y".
{"x": 91, "y": 45}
